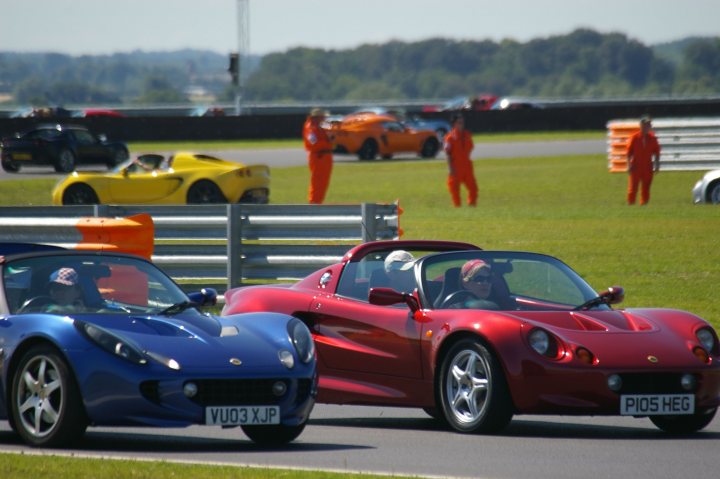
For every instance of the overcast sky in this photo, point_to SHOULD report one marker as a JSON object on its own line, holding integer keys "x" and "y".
{"x": 100, "y": 26}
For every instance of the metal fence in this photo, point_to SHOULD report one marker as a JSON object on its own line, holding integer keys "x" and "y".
{"x": 225, "y": 244}
{"x": 685, "y": 143}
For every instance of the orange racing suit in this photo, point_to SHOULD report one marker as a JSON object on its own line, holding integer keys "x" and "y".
{"x": 458, "y": 146}
{"x": 640, "y": 154}
{"x": 320, "y": 161}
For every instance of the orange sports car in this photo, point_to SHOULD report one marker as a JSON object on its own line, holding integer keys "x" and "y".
{"x": 368, "y": 135}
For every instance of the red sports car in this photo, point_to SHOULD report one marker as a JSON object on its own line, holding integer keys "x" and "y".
{"x": 479, "y": 336}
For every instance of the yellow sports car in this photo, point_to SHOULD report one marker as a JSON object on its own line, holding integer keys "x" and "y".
{"x": 154, "y": 179}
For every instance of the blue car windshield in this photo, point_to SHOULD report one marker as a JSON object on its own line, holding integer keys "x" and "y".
{"x": 502, "y": 280}
{"x": 75, "y": 284}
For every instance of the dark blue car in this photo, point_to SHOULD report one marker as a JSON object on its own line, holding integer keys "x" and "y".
{"x": 99, "y": 339}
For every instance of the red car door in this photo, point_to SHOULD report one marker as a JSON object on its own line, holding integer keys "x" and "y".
{"x": 354, "y": 336}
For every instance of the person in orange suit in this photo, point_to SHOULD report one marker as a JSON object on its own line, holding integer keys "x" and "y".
{"x": 319, "y": 147}
{"x": 643, "y": 160}
{"x": 458, "y": 146}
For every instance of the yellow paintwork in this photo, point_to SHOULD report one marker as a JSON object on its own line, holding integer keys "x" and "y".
{"x": 129, "y": 184}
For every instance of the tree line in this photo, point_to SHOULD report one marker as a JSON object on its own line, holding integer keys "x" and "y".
{"x": 581, "y": 64}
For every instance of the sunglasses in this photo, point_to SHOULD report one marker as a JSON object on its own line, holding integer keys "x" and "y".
{"x": 481, "y": 278}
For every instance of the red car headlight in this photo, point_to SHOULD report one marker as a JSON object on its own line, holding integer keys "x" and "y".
{"x": 543, "y": 343}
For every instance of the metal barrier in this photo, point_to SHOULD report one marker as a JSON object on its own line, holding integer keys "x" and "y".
{"x": 685, "y": 143}
{"x": 225, "y": 244}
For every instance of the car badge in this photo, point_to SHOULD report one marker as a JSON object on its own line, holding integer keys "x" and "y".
{"x": 235, "y": 361}
{"x": 652, "y": 359}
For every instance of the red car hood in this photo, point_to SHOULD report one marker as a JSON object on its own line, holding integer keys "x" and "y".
{"x": 624, "y": 338}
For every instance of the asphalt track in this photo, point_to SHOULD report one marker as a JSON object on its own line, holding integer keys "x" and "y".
{"x": 284, "y": 157}
{"x": 406, "y": 441}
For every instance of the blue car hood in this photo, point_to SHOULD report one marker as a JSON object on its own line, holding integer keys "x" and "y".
{"x": 253, "y": 339}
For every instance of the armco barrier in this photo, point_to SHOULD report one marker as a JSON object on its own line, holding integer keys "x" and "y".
{"x": 132, "y": 235}
{"x": 685, "y": 143}
{"x": 227, "y": 244}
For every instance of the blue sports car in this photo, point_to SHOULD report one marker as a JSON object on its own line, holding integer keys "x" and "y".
{"x": 101, "y": 339}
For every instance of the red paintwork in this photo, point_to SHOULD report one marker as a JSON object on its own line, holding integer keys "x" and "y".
{"x": 387, "y": 355}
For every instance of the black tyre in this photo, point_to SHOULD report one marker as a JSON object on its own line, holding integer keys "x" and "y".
{"x": 65, "y": 161}
{"x": 80, "y": 194}
{"x": 46, "y": 405}
{"x": 205, "y": 191}
{"x": 273, "y": 435}
{"x": 430, "y": 148}
{"x": 10, "y": 166}
{"x": 368, "y": 150}
{"x": 472, "y": 390}
{"x": 713, "y": 193}
{"x": 684, "y": 424}
{"x": 118, "y": 157}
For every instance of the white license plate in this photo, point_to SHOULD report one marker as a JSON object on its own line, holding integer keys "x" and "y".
{"x": 242, "y": 415}
{"x": 655, "y": 404}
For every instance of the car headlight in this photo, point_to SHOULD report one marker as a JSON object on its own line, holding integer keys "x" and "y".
{"x": 111, "y": 342}
{"x": 301, "y": 338}
{"x": 543, "y": 343}
{"x": 706, "y": 338}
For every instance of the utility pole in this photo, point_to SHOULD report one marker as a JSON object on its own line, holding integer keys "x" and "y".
{"x": 243, "y": 19}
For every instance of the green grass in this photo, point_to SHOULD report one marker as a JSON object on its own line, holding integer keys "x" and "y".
{"x": 61, "y": 467}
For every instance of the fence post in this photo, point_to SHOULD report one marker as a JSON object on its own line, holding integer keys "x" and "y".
{"x": 234, "y": 245}
{"x": 369, "y": 224}
{"x": 100, "y": 211}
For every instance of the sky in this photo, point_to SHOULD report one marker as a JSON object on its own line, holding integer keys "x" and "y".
{"x": 78, "y": 27}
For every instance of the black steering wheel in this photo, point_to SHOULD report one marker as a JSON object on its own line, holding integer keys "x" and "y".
{"x": 457, "y": 297}
{"x": 35, "y": 304}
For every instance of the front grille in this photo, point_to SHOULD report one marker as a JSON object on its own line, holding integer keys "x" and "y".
{"x": 651, "y": 383}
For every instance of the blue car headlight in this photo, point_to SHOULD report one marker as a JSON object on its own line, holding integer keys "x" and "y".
{"x": 302, "y": 340}
{"x": 111, "y": 342}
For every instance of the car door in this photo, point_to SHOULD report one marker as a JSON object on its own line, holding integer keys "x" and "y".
{"x": 353, "y": 336}
{"x": 89, "y": 148}
{"x": 140, "y": 186}
{"x": 398, "y": 138}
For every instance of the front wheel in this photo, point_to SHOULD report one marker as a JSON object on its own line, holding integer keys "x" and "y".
{"x": 430, "y": 148}
{"x": 10, "y": 166}
{"x": 472, "y": 389}
{"x": 684, "y": 424}
{"x": 714, "y": 193}
{"x": 46, "y": 406}
{"x": 65, "y": 161}
{"x": 273, "y": 435}
{"x": 205, "y": 191}
{"x": 80, "y": 194}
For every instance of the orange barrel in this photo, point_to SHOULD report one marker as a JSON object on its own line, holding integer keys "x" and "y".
{"x": 133, "y": 235}
{"x": 619, "y": 133}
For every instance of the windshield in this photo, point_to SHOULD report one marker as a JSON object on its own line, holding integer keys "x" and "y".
{"x": 74, "y": 284}
{"x": 501, "y": 280}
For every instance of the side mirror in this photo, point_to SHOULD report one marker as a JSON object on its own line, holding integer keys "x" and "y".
{"x": 613, "y": 295}
{"x": 388, "y": 296}
{"x": 204, "y": 297}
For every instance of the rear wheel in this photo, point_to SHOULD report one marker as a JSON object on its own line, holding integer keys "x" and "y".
{"x": 430, "y": 148}
{"x": 368, "y": 150}
{"x": 118, "y": 157}
{"x": 205, "y": 191}
{"x": 472, "y": 389}
{"x": 46, "y": 406}
{"x": 65, "y": 161}
{"x": 273, "y": 435}
{"x": 80, "y": 194}
{"x": 684, "y": 424}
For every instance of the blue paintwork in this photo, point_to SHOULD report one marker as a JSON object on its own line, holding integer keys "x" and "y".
{"x": 110, "y": 384}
